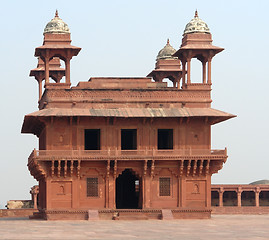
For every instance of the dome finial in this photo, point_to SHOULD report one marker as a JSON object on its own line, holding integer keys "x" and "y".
{"x": 56, "y": 13}
{"x": 196, "y": 13}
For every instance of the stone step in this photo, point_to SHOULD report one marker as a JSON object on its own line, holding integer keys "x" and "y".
{"x": 167, "y": 214}
{"x": 36, "y": 215}
{"x": 132, "y": 217}
{"x": 93, "y": 215}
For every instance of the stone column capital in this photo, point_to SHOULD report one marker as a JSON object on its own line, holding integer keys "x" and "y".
{"x": 239, "y": 190}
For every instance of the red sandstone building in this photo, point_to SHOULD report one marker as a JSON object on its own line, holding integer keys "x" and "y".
{"x": 125, "y": 146}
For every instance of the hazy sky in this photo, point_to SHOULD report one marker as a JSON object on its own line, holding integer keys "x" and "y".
{"x": 122, "y": 38}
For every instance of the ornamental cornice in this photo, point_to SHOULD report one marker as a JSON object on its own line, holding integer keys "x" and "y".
{"x": 97, "y": 95}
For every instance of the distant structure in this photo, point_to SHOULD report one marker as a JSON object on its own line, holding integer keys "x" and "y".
{"x": 119, "y": 148}
{"x": 250, "y": 198}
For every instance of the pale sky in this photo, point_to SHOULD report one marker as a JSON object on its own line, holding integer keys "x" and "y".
{"x": 122, "y": 38}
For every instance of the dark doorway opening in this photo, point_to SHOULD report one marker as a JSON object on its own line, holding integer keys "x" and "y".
{"x": 229, "y": 198}
{"x": 128, "y": 139}
{"x": 165, "y": 138}
{"x": 264, "y": 198}
{"x": 92, "y": 139}
{"x": 214, "y": 198}
{"x": 248, "y": 198}
{"x": 128, "y": 189}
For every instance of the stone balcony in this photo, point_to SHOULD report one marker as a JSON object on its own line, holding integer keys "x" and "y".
{"x": 64, "y": 163}
{"x": 153, "y": 154}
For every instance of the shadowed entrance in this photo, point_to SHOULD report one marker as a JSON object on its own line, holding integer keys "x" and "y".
{"x": 127, "y": 190}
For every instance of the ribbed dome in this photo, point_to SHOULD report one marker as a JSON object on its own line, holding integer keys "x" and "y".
{"x": 166, "y": 52}
{"x": 196, "y": 25}
{"x": 56, "y": 25}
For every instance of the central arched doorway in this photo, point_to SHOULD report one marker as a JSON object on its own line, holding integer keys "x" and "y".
{"x": 128, "y": 190}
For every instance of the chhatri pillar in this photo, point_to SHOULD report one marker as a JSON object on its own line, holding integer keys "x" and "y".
{"x": 55, "y": 72}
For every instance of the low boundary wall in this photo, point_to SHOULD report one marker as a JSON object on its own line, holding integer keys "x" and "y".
{"x": 21, "y": 212}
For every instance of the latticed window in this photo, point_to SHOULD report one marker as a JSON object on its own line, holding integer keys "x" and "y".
{"x": 164, "y": 186}
{"x": 92, "y": 187}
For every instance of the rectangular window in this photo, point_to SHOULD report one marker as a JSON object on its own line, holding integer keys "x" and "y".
{"x": 92, "y": 187}
{"x": 92, "y": 139}
{"x": 128, "y": 139}
{"x": 164, "y": 186}
{"x": 165, "y": 138}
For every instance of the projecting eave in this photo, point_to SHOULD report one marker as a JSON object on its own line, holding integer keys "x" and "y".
{"x": 32, "y": 125}
{"x": 152, "y": 73}
{"x": 57, "y": 47}
{"x": 212, "y": 115}
{"x": 194, "y": 47}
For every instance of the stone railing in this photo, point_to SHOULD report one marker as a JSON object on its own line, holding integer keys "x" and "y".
{"x": 48, "y": 155}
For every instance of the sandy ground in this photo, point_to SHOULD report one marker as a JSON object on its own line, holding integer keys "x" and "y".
{"x": 218, "y": 227}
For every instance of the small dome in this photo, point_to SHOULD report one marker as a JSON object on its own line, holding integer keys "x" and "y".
{"x": 56, "y": 25}
{"x": 166, "y": 52}
{"x": 264, "y": 182}
{"x": 196, "y": 25}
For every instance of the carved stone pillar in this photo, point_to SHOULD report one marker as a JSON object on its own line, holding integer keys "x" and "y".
{"x": 221, "y": 191}
{"x": 209, "y": 71}
{"x": 35, "y": 201}
{"x": 189, "y": 71}
{"x": 145, "y": 185}
{"x": 114, "y": 183}
{"x": 183, "y": 73}
{"x": 34, "y": 191}
{"x": 257, "y": 196}
{"x": 47, "y": 68}
{"x": 67, "y": 71}
{"x": 204, "y": 71}
{"x": 39, "y": 89}
{"x": 239, "y": 192}
{"x": 107, "y": 183}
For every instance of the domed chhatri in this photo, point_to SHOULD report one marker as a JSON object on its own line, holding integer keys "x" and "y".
{"x": 196, "y": 25}
{"x": 57, "y": 25}
{"x": 166, "y": 52}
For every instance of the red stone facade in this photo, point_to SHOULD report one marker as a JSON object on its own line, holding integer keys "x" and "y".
{"x": 126, "y": 146}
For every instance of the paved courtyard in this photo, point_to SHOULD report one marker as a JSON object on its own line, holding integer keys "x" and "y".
{"x": 219, "y": 227}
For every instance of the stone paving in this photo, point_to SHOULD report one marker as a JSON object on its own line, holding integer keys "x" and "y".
{"x": 243, "y": 227}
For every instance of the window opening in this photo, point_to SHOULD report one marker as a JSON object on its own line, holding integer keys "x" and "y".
{"x": 164, "y": 186}
{"x": 165, "y": 138}
{"x": 128, "y": 139}
{"x": 92, "y": 187}
{"x": 92, "y": 139}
